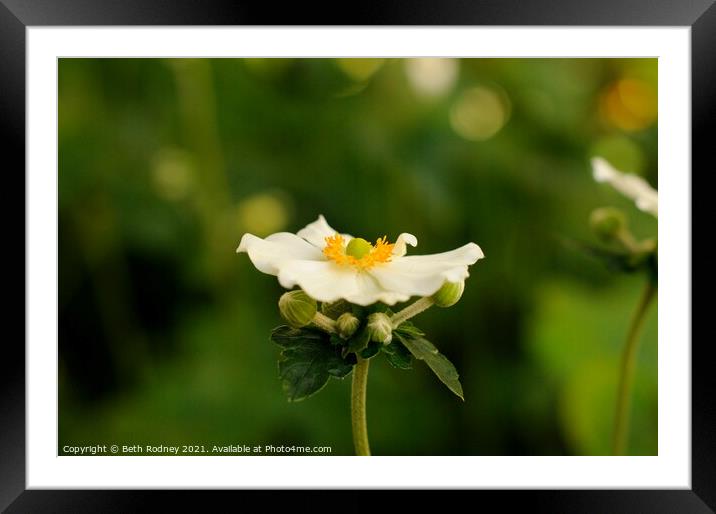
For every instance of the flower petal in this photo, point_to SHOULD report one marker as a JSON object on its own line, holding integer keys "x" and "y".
{"x": 423, "y": 275}
{"x": 317, "y": 232}
{"x": 327, "y": 282}
{"x": 370, "y": 291}
{"x": 628, "y": 184}
{"x": 399, "y": 249}
{"x": 269, "y": 254}
{"x": 324, "y": 281}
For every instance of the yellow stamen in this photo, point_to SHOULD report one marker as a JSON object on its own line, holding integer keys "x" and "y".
{"x": 335, "y": 250}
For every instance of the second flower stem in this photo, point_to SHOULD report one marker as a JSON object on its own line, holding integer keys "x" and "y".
{"x": 411, "y": 310}
{"x": 359, "y": 387}
{"x": 626, "y": 371}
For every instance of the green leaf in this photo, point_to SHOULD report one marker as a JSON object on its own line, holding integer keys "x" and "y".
{"x": 307, "y": 361}
{"x": 286, "y": 336}
{"x": 358, "y": 311}
{"x": 380, "y": 307}
{"x": 358, "y": 341}
{"x": 398, "y": 355}
{"x": 371, "y": 350}
{"x": 407, "y": 328}
{"x": 424, "y": 350}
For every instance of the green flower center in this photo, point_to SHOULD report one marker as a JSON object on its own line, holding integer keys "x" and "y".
{"x": 358, "y": 247}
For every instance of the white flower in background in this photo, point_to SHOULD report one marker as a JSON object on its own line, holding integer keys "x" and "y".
{"x": 630, "y": 185}
{"x": 330, "y": 266}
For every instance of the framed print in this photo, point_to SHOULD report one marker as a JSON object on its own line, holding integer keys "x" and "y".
{"x": 413, "y": 250}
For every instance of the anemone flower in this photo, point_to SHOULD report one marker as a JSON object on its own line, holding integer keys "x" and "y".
{"x": 330, "y": 266}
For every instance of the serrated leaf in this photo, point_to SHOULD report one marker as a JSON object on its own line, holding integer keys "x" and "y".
{"x": 424, "y": 350}
{"x": 371, "y": 350}
{"x": 286, "y": 336}
{"x": 358, "y": 341}
{"x": 398, "y": 355}
{"x": 307, "y": 361}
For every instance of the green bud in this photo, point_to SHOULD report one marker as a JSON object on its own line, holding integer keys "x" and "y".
{"x": 347, "y": 324}
{"x": 358, "y": 247}
{"x": 297, "y": 308}
{"x": 380, "y": 329}
{"x": 607, "y": 222}
{"x": 449, "y": 294}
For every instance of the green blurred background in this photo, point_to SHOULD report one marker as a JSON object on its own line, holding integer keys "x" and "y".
{"x": 165, "y": 163}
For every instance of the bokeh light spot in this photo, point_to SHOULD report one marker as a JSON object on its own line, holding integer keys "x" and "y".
{"x": 629, "y": 104}
{"x": 479, "y": 113}
{"x": 172, "y": 173}
{"x": 432, "y": 77}
{"x": 263, "y": 213}
{"x": 360, "y": 69}
{"x": 623, "y": 153}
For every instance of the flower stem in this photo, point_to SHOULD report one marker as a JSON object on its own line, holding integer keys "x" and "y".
{"x": 411, "y": 310}
{"x": 358, "y": 400}
{"x": 626, "y": 372}
{"x": 324, "y": 323}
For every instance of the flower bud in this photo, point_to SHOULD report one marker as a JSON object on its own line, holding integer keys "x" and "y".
{"x": 449, "y": 294}
{"x": 347, "y": 324}
{"x": 380, "y": 328}
{"x": 607, "y": 222}
{"x": 297, "y": 308}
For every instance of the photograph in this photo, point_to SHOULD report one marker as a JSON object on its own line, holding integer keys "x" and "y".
{"x": 420, "y": 256}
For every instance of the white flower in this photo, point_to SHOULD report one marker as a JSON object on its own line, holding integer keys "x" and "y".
{"x": 330, "y": 266}
{"x": 632, "y": 186}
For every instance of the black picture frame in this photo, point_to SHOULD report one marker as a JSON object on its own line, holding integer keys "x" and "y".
{"x": 16, "y": 15}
